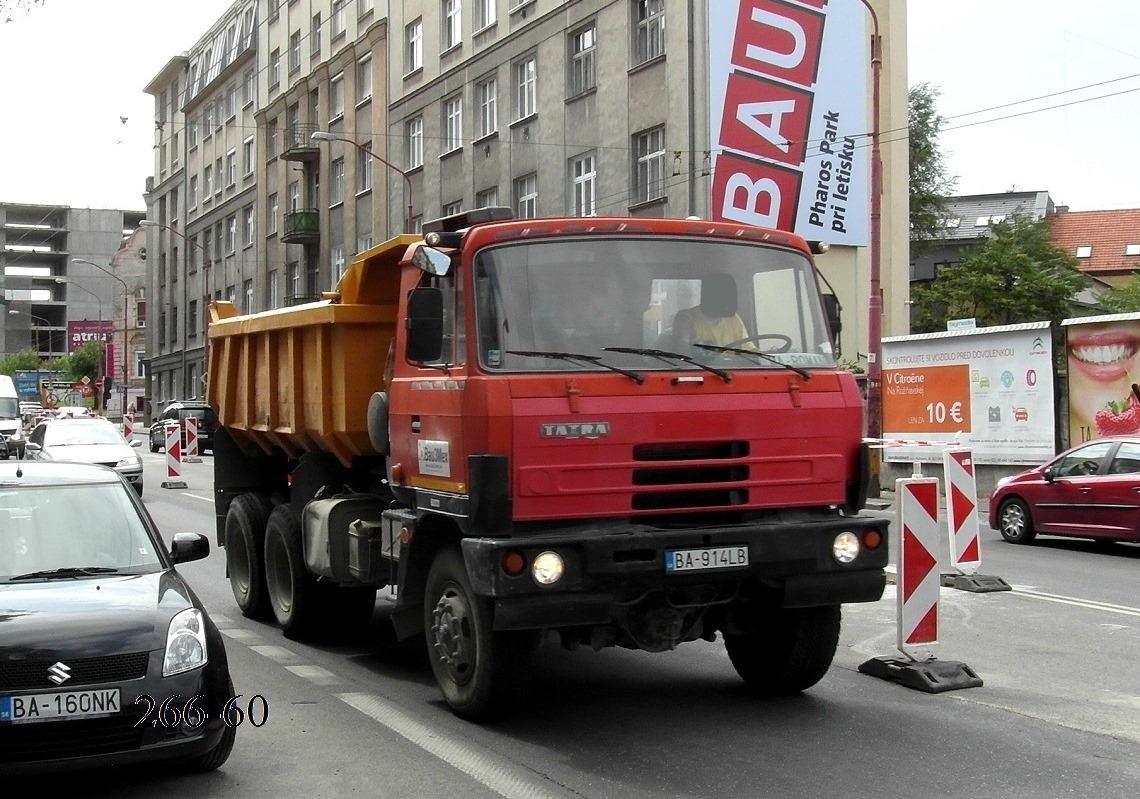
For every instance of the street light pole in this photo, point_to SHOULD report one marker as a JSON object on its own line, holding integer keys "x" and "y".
{"x": 875, "y": 300}
{"x": 126, "y": 315}
{"x": 206, "y": 265}
{"x": 321, "y": 135}
{"x": 102, "y": 365}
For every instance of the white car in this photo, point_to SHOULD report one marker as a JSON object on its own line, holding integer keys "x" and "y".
{"x": 90, "y": 439}
{"x": 68, "y": 411}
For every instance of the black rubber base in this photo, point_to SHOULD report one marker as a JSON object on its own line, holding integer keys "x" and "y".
{"x": 975, "y": 583}
{"x": 931, "y": 676}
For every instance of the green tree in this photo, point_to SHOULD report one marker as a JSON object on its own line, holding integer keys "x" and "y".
{"x": 85, "y": 361}
{"x": 930, "y": 185}
{"x": 1124, "y": 298}
{"x": 24, "y": 359}
{"x": 1016, "y": 276}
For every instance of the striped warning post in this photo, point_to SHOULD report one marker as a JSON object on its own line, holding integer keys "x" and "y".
{"x": 191, "y": 440}
{"x": 918, "y": 579}
{"x": 961, "y": 510}
{"x": 173, "y": 457}
{"x": 128, "y": 425}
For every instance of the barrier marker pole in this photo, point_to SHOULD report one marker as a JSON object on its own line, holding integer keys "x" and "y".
{"x": 173, "y": 457}
{"x": 962, "y": 518}
{"x": 192, "y": 440}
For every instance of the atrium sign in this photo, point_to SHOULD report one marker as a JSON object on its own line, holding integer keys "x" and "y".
{"x": 788, "y": 116}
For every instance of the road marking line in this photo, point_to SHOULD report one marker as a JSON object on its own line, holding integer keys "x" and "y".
{"x": 1081, "y": 603}
{"x": 501, "y": 776}
{"x": 245, "y": 636}
{"x": 315, "y": 674}
{"x": 278, "y": 653}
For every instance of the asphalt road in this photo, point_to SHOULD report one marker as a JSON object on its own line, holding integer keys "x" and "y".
{"x": 1058, "y": 714}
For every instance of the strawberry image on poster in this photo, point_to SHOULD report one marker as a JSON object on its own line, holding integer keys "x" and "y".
{"x": 1119, "y": 417}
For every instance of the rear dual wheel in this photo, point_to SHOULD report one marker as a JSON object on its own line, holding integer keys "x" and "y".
{"x": 245, "y": 547}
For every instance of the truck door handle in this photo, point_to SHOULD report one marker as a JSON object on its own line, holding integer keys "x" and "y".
{"x": 415, "y": 424}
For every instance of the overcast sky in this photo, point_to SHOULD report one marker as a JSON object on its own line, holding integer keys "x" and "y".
{"x": 72, "y": 68}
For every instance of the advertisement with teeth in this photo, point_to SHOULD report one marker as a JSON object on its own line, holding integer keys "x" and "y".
{"x": 988, "y": 388}
{"x": 1102, "y": 370}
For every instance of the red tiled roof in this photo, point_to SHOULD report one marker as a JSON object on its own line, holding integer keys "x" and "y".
{"x": 1107, "y": 232}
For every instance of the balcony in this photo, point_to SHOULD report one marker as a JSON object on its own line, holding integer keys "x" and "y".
{"x": 300, "y": 299}
{"x": 302, "y": 227}
{"x": 298, "y": 146}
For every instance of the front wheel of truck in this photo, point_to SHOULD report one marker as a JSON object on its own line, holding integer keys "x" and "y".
{"x": 245, "y": 538}
{"x": 787, "y": 651}
{"x": 483, "y": 674}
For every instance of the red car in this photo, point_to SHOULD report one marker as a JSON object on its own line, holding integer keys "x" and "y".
{"x": 1089, "y": 491}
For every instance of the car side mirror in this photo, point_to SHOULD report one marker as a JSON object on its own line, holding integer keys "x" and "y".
{"x": 30, "y": 447}
{"x": 135, "y": 443}
{"x": 185, "y": 547}
{"x": 1050, "y": 474}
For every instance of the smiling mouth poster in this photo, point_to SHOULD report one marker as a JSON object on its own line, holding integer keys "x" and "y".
{"x": 1102, "y": 365}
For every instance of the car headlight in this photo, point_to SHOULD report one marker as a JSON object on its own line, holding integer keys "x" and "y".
{"x": 845, "y": 547}
{"x": 185, "y": 643}
{"x": 125, "y": 463}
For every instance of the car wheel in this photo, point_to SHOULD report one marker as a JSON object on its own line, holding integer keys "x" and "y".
{"x": 245, "y": 548}
{"x": 153, "y": 446}
{"x": 1014, "y": 523}
{"x": 293, "y": 593}
{"x": 482, "y": 674}
{"x": 788, "y": 651}
{"x": 221, "y": 751}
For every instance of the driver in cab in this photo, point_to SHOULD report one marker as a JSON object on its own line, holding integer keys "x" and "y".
{"x": 714, "y": 320}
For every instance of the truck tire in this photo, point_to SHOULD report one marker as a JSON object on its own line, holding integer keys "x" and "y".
{"x": 246, "y": 519}
{"x": 789, "y": 651}
{"x": 483, "y": 674}
{"x": 293, "y": 592}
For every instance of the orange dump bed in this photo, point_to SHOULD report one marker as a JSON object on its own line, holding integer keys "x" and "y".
{"x": 300, "y": 378}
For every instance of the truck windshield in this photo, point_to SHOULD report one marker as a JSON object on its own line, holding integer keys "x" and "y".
{"x": 9, "y": 408}
{"x": 621, "y": 296}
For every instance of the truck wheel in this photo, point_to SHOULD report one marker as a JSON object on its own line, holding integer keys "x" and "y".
{"x": 293, "y": 594}
{"x": 789, "y": 651}
{"x": 245, "y": 538}
{"x": 482, "y": 674}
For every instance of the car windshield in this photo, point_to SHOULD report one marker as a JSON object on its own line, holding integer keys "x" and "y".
{"x": 639, "y": 303}
{"x": 68, "y": 434}
{"x": 9, "y": 408}
{"x": 95, "y": 527}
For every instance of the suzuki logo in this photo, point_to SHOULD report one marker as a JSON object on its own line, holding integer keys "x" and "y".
{"x": 59, "y": 673}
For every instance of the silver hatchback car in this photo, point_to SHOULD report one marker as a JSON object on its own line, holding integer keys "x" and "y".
{"x": 88, "y": 439}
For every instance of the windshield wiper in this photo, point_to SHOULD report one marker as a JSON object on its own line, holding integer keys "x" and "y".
{"x": 66, "y": 571}
{"x": 804, "y": 373}
{"x": 577, "y": 356}
{"x": 665, "y": 355}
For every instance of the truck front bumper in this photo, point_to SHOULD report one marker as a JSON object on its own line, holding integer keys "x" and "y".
{"x": 609, "y": 566}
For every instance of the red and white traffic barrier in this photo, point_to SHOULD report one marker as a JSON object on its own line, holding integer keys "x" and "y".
{"x": 918, "y": 576}
{"x": 962, "y": 510}
{"x": 191, "y": 440}
{"x": 128, "y": 425}
{"x": 173, "y": 457}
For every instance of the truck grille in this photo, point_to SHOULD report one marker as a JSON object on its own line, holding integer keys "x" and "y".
{"x": 685, "y": 464}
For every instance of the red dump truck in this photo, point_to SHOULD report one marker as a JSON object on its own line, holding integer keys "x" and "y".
{"x": 618, "y": 432}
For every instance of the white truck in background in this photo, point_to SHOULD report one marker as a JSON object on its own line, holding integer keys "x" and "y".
{"x": 11, "y": 424}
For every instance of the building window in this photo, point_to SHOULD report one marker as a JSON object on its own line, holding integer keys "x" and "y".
{"x": 192, "y": 132}
{"x": 453, "y": 123}
{"x": 294, "y": 51}
{"x": 526, "y": 196}
{"x": 337, "y": 257}
{"x": 582, "y": 74}
{"x": 249, "y": 88}
{"x": 1132, "y": 249}
{"x": 484, "y": 13}
{"x": 364, "y": 168}
{"x": 648, "y": 30}
{"x": 364, "y": 242}
{"x": 219, "y": 111}
{"x": 294, "y": 278}
{"x": 364, "y": 79}
{"x": 365, "y": 6}
{"x": 208, "y": 119}
{"x": 207, "y": 175}
{"x": 649, "y": 177}
{"x": 271, "y": 140}
{"x": 294, "y": 197}
{"x": 271, "y": 214}
{"x": 231, "y": 168}
{"x": 526, "y": 80}
{"x": 414, "y": 46}
{"x": 271, "y": 289}
{"x": 247, "y": 156}
{"x": 140, "y": 314}
{"x": 582, "y": 181}
{"x": 336, "y": 168}
{"x": 1084, "y": 251}
{"x": 247, "y": 226}
{"x": 452, "y": 24}
{"x": 487, "y": 198}
{"x": 415, "y": 142}
{"x": 231, "y": 234}
{"x": 247, "y": 292}
{"x": 339, "y": 18}
{"x": 485, "y": 95}
{"x": 192, "y": 198}
{"x": 231, "y": 102}
{"x": 451, "y": 209}
{"x": 274, "y": 69}
{"x": 315, "y": 38}
{"x": 336, "y": 98}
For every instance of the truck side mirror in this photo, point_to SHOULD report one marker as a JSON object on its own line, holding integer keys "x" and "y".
{"x": 831, "y": 309}
{"x": 425, "y": 325}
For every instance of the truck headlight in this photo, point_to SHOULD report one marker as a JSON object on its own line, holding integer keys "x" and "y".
{"x": 845, "y": 547}
{"x": 185, "y": 643}
{"x": 547, "y": 568}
